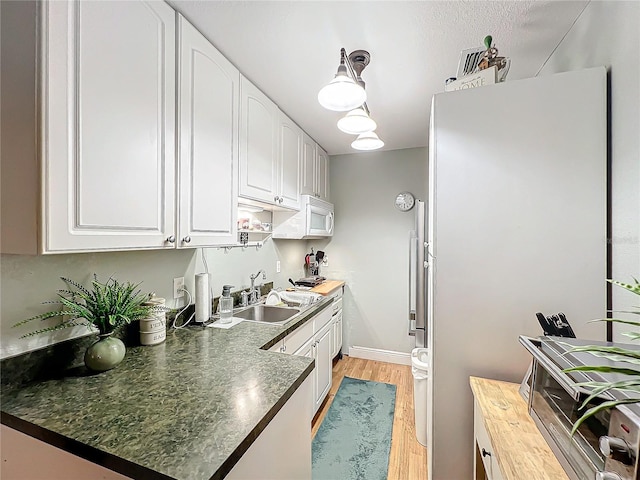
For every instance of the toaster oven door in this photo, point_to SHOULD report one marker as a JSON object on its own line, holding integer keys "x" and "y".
{"x": 554, "y": 405}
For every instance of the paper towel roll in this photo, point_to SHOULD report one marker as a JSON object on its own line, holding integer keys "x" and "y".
{"x": 203, "y": 301}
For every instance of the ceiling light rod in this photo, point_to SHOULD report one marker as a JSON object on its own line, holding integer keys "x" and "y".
{"x": 356, "y": 61}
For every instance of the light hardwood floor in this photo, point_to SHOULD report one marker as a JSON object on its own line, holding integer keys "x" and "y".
{"x": 408, "y": 459}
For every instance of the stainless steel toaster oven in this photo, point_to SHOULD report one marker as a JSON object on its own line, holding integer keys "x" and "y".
{"x": 606, "y": 446}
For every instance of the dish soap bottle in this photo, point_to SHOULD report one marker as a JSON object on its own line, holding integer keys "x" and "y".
{"x": 226, "y": 304}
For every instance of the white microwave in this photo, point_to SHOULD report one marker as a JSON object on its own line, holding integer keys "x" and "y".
{"x": 314, "y": 220}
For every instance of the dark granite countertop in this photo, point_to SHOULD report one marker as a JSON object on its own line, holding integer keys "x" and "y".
{"x": 188, "y": 408}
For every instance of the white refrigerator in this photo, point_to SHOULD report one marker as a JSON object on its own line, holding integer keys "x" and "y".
{"x": 517, "y": 217}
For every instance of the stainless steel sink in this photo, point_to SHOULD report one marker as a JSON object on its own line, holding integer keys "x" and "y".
{"x": 267, "y": 313}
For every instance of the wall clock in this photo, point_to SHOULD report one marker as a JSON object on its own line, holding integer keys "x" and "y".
{"x": 405, "y": 201}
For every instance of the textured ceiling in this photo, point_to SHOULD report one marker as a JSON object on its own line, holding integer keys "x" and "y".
{"x": 290, "y": 49}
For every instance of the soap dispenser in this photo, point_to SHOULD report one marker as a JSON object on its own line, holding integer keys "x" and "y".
{"x": 226, "y": 304}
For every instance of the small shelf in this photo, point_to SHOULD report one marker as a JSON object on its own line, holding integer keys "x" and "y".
{"x": 257, "y": 244}
{"x": 259, "y": 232}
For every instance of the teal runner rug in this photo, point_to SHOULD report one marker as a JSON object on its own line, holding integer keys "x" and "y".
{"x": 354, "y": 440}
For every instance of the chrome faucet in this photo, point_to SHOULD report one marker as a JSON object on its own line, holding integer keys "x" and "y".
{"x": 254, "y": 292}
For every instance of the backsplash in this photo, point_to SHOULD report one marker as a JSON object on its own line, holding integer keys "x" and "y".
{"x": 27, "y": 281}
{"x": 46, "y": 362}
{"x": 50, "y": 361}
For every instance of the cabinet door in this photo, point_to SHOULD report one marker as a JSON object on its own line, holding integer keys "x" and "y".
{"x": 289, "y": 165}
{"x": 322, "y": 188}
{"x": 308, "y": 172}
{"x": 278, "y": 347}
{"x": 339, "y": 333}
{"x": 258, "y": 144}
{"x": 208, "y": 136}
{"x": 334, "y": 337}
{"x": 108, "y": 125}
{"x": 323, "y": 364}
{"x": 308, "y": 350}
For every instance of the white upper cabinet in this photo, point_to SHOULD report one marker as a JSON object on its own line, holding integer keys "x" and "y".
{"x": 259, "y": 120}
{"x": 108, "y": 125}
{"x": 309, "y": 164}
{"x": 322, "y": 184}
{"x": 315, "y": 169}
{"x": 290, "y": 162}
{"x": 90, "y": 151}
{"x": 208, "y": 142}
{"x": 271, "y": 149}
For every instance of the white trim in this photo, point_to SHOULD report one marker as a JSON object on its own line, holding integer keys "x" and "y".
{"x": 380, "y": 355}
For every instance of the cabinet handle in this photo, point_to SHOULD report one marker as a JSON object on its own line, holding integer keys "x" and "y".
{"x": 485, "y": 453}
{"x": 186, "y": 239}
{"x": 275, "y": 199}
{"x": 281, "y": 200}
{"x": 171, "y": 239}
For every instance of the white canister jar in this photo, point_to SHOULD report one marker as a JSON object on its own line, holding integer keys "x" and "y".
{"x": 153, "y": 324}
{"x": 153, "y": 330}
{"x": 153, "y": 338}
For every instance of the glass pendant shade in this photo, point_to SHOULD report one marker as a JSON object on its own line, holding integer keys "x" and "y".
{"x": 367, "y": 141}
{"x": 356, "y": 121}
{"x": 342, "y": 93}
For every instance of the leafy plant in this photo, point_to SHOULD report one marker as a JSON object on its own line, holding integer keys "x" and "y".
{"x": 616, "y": 354}
{"x": 106, "y": 306}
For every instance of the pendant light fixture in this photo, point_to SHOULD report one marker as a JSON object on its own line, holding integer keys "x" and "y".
{"x": 346, "y": 93}
{"x": 342, "y": 93}
{"x": 367, "y": 141}
{"x": 357, "y": 121}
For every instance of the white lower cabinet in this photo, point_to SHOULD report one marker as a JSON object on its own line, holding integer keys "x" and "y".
{"x": 336, "y": 342}
{"x": 322, "y": 356}
{"x": 485, "y": 453}
{"x": 283, "y": 449}
{"x": 19, "y": 451}
{"x": 313, "y": 340}
{"x": 272, "y": 456}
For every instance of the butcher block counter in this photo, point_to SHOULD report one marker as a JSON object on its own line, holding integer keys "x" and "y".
{"x": 327, "y": 287}
{"x": 512, "y": 446}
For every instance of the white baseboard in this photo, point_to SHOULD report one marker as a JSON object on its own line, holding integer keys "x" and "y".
{"x": 380, "y": 355}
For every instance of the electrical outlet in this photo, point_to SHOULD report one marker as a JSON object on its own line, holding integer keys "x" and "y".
{"x": 178, "y": 285}
{"x": 325, "y": 261}
{"x": 277, "y": 266}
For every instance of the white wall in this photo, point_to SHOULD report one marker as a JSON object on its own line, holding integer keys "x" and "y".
{"x": 370, "y": 247}
{"x": 607, "y": 34}
{"x": 26, "y": 281}
{"x": 235, "y": 266}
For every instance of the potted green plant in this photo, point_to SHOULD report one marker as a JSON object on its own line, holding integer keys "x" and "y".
{"x": 105, "y": 307}
{"x": 630, "y": 367}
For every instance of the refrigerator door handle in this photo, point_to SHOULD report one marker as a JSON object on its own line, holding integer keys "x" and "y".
{"x": 413, "y": 254}
{"x": 421, "y": 264}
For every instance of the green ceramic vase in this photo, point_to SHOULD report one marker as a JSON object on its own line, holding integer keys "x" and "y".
{"x": 105, "y": 354}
